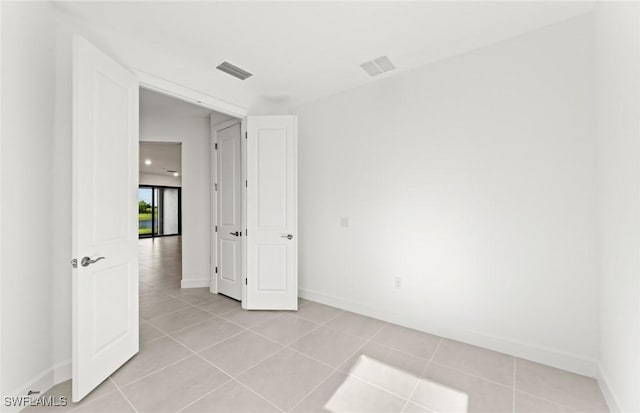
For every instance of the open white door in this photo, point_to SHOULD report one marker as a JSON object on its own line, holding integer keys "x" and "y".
{"x": 229, "y": 229}
{"x": 105, "y": 181}
{"x": 271, "y": 205}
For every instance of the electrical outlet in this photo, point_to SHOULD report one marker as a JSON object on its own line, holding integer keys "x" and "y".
{"x": 344, "y": 222}
{"x": 397, "y": 281}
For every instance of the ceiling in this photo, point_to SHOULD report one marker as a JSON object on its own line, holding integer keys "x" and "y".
{"x": 163, "y": 156}
{"x": 300, "y": 51}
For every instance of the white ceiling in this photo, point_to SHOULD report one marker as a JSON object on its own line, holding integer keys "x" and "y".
{"x": 163, "y": 156}
{"x": 300, "y": 51}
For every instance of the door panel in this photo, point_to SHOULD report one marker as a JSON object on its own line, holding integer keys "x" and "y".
{"x": 105, "y": 181}
{"x": 229, "y": 211}
{"x": 272, "y": 273}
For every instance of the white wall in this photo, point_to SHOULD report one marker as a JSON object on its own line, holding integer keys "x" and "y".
{"x": 194, "y": 135}
{"x": 161, "y": 180}
{"x": 27, "y": 124}
{"x": 618, "y": 110}
{"x": 473, "y": 179}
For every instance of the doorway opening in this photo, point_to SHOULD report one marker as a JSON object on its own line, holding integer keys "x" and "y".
{"x": 177, "y": 196}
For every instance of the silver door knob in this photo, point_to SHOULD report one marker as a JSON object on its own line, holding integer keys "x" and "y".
{"x": 86, "y": 261}
{"x": 287, "y": 236}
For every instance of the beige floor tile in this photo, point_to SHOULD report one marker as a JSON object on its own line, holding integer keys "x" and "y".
{"x": 180, "y": 319}
{"x": 241, "y": 352}
{"x": 152, "y": 356}
{"x": 478, "y": 361}
{"x": 64, "y": 389}
{"x": 446, "y": 390}
{"x": 285, "y": 378}
{"x": 526, "y": 403}
{"x": 382, "y": 366}
{"x": 343, "y": 393}
{"x": 174, "y": 387}
{"x": 318, "y": 313}
{"x": 160, "y": 308}
{"x": 329, "y": 346}
{"x": 356, "y": 324}
{"x": 252, "y": 318}
{"x": 232, "y": 397}
{"x": 149, "y": 332}
{"x": 207, "y": 333}
{"x": 572, "y": 390}
{"x": 144, "y": 288}
{"x": 405, "y": 339}
{"x": 111, "y": 403}
{"x": 220, "y": 305}
{"x": 285, "y": 329}
{"x": 193, "y": 295}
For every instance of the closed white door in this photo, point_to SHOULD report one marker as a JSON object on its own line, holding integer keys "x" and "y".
{"x": 271, "y": 204}
{"x": 229, "y": 229}
{"x": 105, "y": 182}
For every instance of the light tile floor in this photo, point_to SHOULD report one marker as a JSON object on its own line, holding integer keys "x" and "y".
{"x": 202, "y": 353}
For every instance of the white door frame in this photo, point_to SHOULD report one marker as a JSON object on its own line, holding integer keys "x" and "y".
{"x": 213, "y": 288}
{"x": 166, "y": 87}
{"x": 175, "y": 90}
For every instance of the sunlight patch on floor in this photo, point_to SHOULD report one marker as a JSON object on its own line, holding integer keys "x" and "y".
{"x": 354, "y": 393}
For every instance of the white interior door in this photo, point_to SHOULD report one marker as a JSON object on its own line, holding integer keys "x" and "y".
{"x": 105, "y": 181}
{"x": 271, "y": 205}
{"x": 229, "y": 230}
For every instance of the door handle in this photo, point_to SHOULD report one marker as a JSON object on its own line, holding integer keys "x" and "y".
{"x": 86, "y": 261}
{"x": 237, "y": 234}
{"x": 287, "y": 236}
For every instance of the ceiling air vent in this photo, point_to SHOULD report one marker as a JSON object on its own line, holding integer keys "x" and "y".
{"x": 234, "y": 71}
{"x": 377, "y": 66}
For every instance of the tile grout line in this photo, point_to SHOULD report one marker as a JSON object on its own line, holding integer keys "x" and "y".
{"x": 466, "y": 373}
{"x": 203, "y": 396}
{"x": 231, "y": 377}
{"x": 123, "y": 395}
{"x": 335, "y": 369}
{"x": 154, "y": 371}
{"x": 424, "y": 370}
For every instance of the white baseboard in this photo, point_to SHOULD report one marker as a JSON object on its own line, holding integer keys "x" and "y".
{"x": 42, "y": 382}
{"x": 195, "y": 283}
{"x": 528, "y": 351}
{"x": 61, "y": 372}
{"x": 607, "y": 392}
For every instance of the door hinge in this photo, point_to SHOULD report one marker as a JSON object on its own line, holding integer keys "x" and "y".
{"x": 246, "y": 135}
{"x": 216, "y": 228}
{"x": 216, "y": 269}
{"x": 246, "y": 183}
{"x": 246, "y": 232}
{"x": 246, "y": 282}
{"x": 215, "y": 146}
{"x": 215, "y": 187}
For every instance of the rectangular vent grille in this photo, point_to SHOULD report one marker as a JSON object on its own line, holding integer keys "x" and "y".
{"x": 377, "y": 66}
{"x": 234, "y": 71}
